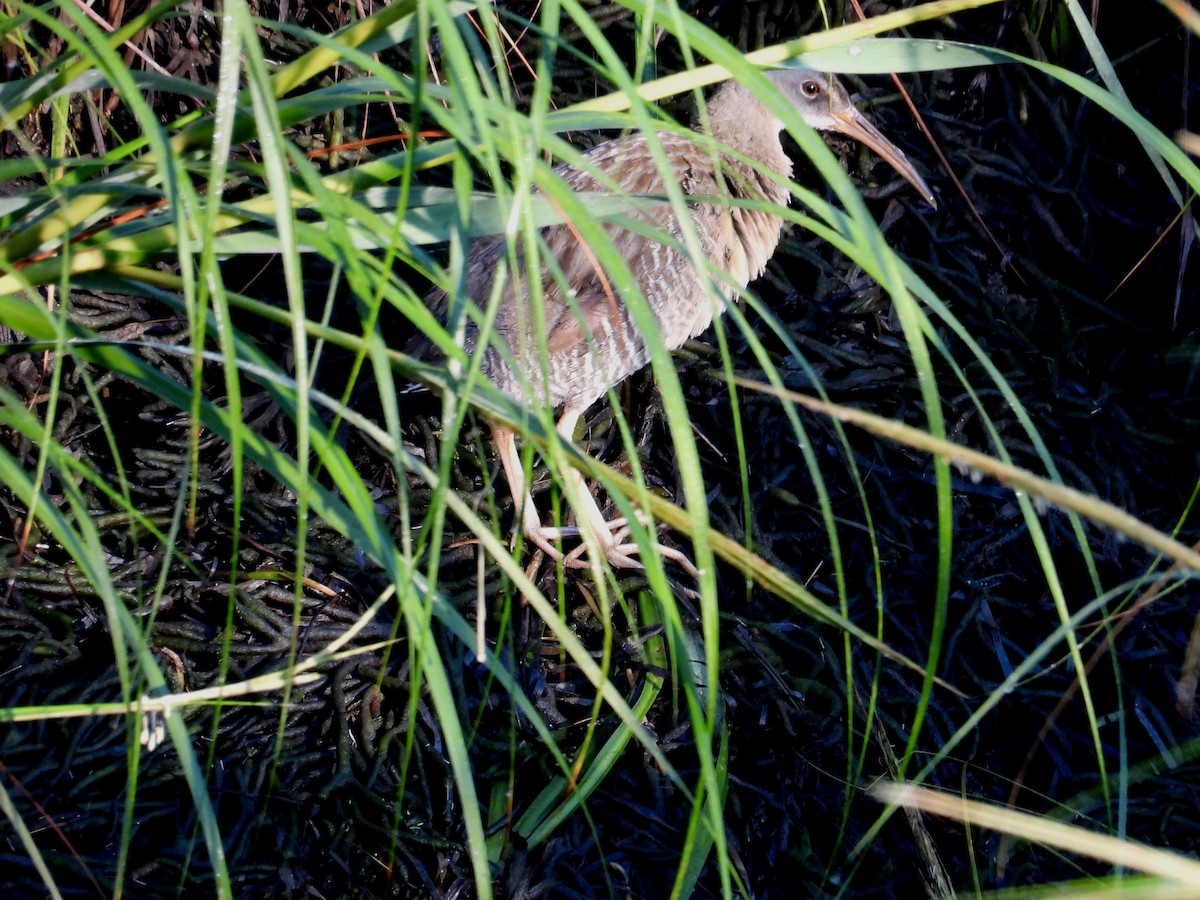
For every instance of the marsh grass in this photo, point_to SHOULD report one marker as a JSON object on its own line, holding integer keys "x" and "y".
{"x": 350, "y": 540}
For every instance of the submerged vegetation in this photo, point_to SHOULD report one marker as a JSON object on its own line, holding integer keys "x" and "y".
{"x": 264, "y": 626}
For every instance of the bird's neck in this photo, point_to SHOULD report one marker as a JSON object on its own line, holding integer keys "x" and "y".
{"x": 737, "y": 119}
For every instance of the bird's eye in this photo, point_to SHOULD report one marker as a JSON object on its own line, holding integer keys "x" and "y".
{"x": 810, "y": 88}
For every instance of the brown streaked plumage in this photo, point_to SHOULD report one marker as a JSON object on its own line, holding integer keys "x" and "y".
{"x": 591, "y": 339}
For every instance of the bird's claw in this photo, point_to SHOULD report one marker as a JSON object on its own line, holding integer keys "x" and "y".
{"x": 620, "y": 553}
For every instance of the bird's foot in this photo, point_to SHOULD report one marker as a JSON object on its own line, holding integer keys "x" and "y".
{"x": 543, "y": 538}
{"x": 625, "y": 554}
{"x": 611, "y": 534}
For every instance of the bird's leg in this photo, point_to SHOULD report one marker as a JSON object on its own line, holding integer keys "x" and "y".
{"x": 607, "y": 532}
{"x": 531, "y": 524}
{"x": 592, "y": 518}
{"x": 610, "y": 533}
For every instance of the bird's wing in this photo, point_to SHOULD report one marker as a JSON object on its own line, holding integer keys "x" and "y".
{"x": 625, "y": 166}
{"x": 576, "y": 324}
{"x": 589, "y": 302}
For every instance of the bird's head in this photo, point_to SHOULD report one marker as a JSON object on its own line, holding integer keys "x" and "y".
{"x": 825, "y": 105}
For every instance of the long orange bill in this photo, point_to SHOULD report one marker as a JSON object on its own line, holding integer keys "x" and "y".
{"x": 854, "y": 124}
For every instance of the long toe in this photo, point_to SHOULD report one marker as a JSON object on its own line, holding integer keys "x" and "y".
{"x": 543, "y": 538}
{"x": 678, "y": 557}
{"x": 622, "y": 554}
{"x": 624, "y": 549}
